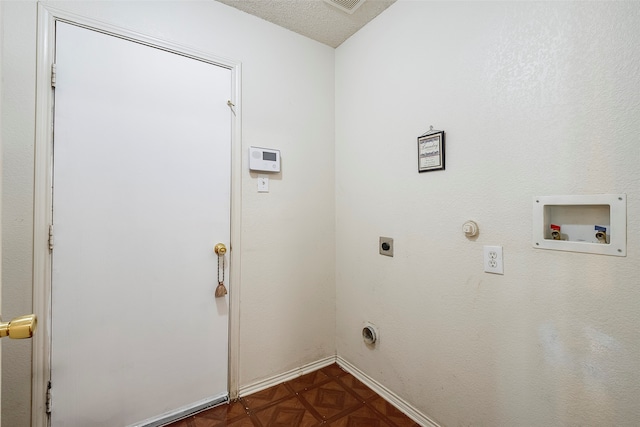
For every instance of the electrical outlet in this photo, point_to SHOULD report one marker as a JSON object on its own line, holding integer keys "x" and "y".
{"x": 493, "y": 260}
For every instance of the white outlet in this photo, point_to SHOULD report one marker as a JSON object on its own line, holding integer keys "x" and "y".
{"x": 493, "y": 260}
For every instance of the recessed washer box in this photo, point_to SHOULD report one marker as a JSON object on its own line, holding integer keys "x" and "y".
{"x": 594, "y": 224}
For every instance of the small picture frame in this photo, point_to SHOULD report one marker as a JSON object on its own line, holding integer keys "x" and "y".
{"x": 431, "y": 151}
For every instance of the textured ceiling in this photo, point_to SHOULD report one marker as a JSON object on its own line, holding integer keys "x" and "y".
{"x": 313, "y": 18}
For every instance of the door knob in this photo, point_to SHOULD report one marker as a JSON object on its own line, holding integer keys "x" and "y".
{"x": 20, "y": 327}
{"x": 220, "y": 249}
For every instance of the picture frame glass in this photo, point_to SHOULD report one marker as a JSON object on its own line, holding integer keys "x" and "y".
{"x": 431, "y": 152}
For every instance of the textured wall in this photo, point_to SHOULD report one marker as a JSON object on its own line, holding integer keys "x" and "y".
{"x": 287, "y": 287}
{"x": 536, "y": 99}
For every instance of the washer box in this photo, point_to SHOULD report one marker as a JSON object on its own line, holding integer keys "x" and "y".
{"x": 594, "y": 224}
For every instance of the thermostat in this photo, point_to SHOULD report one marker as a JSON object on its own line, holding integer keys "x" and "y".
{"x": 264, "y": 159}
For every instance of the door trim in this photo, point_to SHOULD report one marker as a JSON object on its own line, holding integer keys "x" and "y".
{"x": 43, "y": 200}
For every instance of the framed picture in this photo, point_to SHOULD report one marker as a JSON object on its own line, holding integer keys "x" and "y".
{"x": 431, "y": 151}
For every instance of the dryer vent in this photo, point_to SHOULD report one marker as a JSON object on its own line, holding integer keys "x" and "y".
{"x": 348, "y": 6}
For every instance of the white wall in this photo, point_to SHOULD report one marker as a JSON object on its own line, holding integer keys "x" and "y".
{"x": 536, "y": 99}
{"x": 287, "y": 288}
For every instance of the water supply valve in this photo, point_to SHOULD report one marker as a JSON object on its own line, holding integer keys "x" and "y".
{"x": 601, "y": 234}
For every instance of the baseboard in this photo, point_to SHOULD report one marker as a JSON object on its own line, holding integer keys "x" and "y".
{"x": 384, "y": 392}
{"x": 289, "y": 375}
{"x": 387, "y": 394}
{"x": 185, "y": 411}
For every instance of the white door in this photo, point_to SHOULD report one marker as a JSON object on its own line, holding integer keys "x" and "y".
{"x": 141, "y": 194}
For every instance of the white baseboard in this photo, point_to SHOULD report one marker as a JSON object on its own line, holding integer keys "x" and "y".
{"x": 387, "y": 394}
{"x": 384, "y": 392}
{"x": 289, "y": 375}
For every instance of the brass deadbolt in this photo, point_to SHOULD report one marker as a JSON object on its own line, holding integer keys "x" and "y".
{"x": 19, "y": 328}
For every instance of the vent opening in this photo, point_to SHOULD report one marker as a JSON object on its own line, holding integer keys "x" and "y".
{"x": 348, "y": 6}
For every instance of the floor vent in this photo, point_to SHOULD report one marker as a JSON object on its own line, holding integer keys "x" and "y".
{"x": 348, "y": 6}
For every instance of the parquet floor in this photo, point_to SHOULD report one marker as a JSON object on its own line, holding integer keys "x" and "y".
{"x": 327, "y": 397}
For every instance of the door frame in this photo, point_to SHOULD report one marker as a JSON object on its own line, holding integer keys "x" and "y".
{"x": 1, "y": 193}
{"x": 43, "y": 192}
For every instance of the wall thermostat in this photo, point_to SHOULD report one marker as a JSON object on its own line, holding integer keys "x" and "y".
{"x": 264, "y": 159}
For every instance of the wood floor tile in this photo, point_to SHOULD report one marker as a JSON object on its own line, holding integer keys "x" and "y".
{"x": 232, "y": 414}
{"x": 264, "y": 398}
{"x": 187, "y": 422}
{"x": 330, "y": 399}
{"x": 334, "y": 370}
{"x": 244, "y": 421}
{"x": 225, "y": 411}
{"x": 362, "y": 417}
{"x": 288, "y": 413}
{"x": 398, "y": 418}
{"x": 308, "y": 381}
{"x": 357, "y": 387}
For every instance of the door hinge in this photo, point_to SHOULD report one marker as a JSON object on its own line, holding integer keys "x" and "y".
{"x": 53, "y": 75}
{"x": 51, "y": 237}
{"x": 48, "y": 397}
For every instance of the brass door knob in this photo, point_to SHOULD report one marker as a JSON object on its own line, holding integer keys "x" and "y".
{"x": 220, "y": 249}
{"x": 19, "y": 328}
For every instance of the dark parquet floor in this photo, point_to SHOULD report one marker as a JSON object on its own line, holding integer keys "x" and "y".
{"x": 328, "y": 397}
